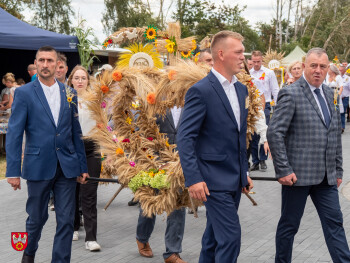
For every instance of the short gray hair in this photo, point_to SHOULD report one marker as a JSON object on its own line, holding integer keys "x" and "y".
{"x": 334, "y": 68}
{"x": 316, "y": 50}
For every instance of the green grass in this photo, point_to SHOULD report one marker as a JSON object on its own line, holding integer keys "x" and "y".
{"x": 2, "y": 166}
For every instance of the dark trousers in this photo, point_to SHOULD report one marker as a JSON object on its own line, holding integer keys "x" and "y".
{"x": 258, "y": 153}
{"x": 88, "y": 193}
{"x": 38, "y": 198}
{"x": 175, "y": 227}
{"x": 326, "y": 200}
{"x": 342, "y": 115}
{"x": 221, "y": 240}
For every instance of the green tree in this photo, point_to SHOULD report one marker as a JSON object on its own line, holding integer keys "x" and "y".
{"x": 14, "y": 7}
{"x": 126, "y": 13}
{"x": 203, "y": 18}
{"x": 53, "y": 15}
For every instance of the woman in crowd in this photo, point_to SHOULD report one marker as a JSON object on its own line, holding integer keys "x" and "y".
{"x": 79, "y": 80}
{"x": 9, "y": 81}
{"x": 296, "y": 71}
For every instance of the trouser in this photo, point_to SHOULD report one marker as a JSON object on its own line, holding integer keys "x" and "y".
{"x": 174, "y": 230}
{"x": 88, "y": 193}
{"x": 258, "y": 153}
{"x": 326, "y": 200}
{"x": 221, "y": 240}
{"x": 342, "y": 115}
{"x": 38, "y": 198}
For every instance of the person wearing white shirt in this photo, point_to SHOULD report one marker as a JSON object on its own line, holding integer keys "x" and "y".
{"x": 79, "y": 80}
{"x": 270, "y": 90}
{"x": 346, "y": 92}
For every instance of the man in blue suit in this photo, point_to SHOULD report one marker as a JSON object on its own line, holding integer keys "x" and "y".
{"x": 54, "y": 155}
{"x": 212, "y": 146}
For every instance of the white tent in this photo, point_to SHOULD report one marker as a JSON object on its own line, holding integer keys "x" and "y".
{"x": 296, "y": 55}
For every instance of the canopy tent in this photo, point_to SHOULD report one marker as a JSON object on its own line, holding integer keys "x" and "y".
{"x": 19, "y": 42}
{"x": 296, "y": 55}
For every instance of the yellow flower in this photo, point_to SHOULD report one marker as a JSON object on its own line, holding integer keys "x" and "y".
{"x": 167, "y": 144}
{"x": 186, "y": 54}
{"x": 151, "y": 33}
{"x": 151, "y": 174}
{"x": 101, "y": 168}
{"x": 119, "y": 151}
{"x": 348, "y": 71}
{"x": 128, "y": 120}
{"x": 170, "y": 46}
{"x": 272, "y": 103}
{"x": 194, "y": 44}
{"x": 335, "y": 102}
{"x": 69, "y": 99}
{"x": 162, "y": 171}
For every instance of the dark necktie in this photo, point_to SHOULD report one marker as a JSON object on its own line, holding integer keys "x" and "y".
{"x": 324, "y": 108}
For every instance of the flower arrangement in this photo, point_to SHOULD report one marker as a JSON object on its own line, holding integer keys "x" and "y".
{"x": 171, "y": 45}
{"x": 156, "y": 179}
{"x": 104, "y": 88}
{"x": 69, "y": 95}
{"x": 107, "y": 43}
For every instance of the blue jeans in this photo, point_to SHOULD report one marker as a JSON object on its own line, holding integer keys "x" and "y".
{"x": 174, "y": 231}
{"x": 259, "y": 154}
{"x": 342, "y": 115}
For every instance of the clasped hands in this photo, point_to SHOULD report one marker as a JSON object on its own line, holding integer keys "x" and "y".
{"x": 15, "y": 182}
{"x": 200, "y": 190}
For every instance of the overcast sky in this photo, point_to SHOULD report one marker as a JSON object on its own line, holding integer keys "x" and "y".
{"x": 91, "y": 11}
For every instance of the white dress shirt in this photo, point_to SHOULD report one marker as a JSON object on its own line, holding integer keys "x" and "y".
{"x": 176, "y": 113}
{"x": 269, "y": 83}
{"x": 229, "y": 88}
{"x": 315, "y": 96}
{"x": 86, "y": 122}
{"x": 346, "y": 86}
{"x": 53, "y": 98}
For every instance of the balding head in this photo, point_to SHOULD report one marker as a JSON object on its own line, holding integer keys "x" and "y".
{"x": 31, "y": 69}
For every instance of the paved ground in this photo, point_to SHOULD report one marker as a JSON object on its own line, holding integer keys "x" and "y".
{"x": 116, "y": 227}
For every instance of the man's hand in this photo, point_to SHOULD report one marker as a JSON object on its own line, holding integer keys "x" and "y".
{"x": 199, "y": 191}
{"x": 288, "y": 180}
{"x": 15, "y": 182}
{"x": 267, "y": 149}
{"x": 82, "y": 178}
{"x": 249, "y": 186}
{"x": 339, "y": 181}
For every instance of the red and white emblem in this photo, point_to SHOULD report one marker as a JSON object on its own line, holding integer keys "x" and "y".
{"x": 19, "y": 240}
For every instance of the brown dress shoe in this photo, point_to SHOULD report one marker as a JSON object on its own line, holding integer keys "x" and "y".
{"x": 174, "y": 258}
{"x": 144, "y": 249}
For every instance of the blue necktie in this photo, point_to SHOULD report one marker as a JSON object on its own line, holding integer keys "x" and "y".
{"x": 324, "y": 108}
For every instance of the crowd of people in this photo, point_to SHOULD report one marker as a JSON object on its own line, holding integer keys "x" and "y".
{"x": 310, "y": 107}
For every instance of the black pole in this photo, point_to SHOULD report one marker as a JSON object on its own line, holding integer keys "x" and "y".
{"x": 105, "y": 180}
{"x": 258, "y": 178}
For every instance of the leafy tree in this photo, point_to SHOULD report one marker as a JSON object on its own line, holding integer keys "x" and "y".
{"x": 126, "y": 13}
{"x": 14, "y": 7}
{"x": 53, "y": 15}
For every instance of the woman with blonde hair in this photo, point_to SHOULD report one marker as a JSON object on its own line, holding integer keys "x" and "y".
{"x": 9, "y": 81}
{"x": 296, "y": 71}
{"x": 79, "y": 80}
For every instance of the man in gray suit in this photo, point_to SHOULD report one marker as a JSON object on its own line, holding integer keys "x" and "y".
{"x": 305, "y": 142}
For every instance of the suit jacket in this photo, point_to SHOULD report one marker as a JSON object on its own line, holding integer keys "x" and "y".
{"x": 167, "y": 126}
{"x": 299, "y": 140}
{"x": 46, "y": 144}
{"x": 211, "y": 147}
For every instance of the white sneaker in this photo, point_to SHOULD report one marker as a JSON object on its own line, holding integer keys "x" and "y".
{"x": 92, "y": 246}
{"x": 75, "y": 236}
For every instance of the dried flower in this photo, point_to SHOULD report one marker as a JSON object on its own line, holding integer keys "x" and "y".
{"x": 104, "y": 89}
{"x": 119, "y": 151}
{"x": 117, "y": 75}
{"x": 172, "y": 75}
{"x": 103, "y": 104}
{"x": 132, "y": 164}
{"x": 126, "y": 140}
{"x": 151, "y": 98}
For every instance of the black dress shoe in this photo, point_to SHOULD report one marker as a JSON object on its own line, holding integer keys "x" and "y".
{"x": 254, "y": 167}
{"x": 263, "y": 165}
{"x": 27, "y": 258}
{"x": 132, "y": 202}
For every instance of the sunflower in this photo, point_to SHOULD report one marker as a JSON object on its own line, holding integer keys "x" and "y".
{"x": 170, "y": 46}
{"x": 186, "y": 54}
{"x": 151, "y": 33}
{"x": 69, "y": 99}
{"x": 194, "y": 44}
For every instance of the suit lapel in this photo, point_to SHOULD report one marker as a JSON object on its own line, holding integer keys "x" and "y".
{"x": 241, "y": 100}
{"x": 170, "y": 118}
{"x": 63, "y": 100}
{"x": 220, "y": 91}
{"x": 41, "y": 95}
{"x": 308, "y": 93}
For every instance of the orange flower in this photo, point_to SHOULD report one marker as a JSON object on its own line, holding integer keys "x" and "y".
{"x": 117, "y": 75}
{"x": 100, "y": 125}
{"x": 151, "y": 98}
{"x": 119, "y": 151}
{"x": 101, "y": 168}
{"x": 104, "y": 89}
{"x": 172, "y": 75}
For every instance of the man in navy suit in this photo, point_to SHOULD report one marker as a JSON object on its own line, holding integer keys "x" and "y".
{"x": 212, "y": 146}
{"x": 54, "y": 155}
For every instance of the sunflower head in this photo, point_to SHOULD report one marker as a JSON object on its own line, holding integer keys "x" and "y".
{"x": 69, "y": 99}
{"x": 151, "y": 33}
{"x": 186, "y": 54}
